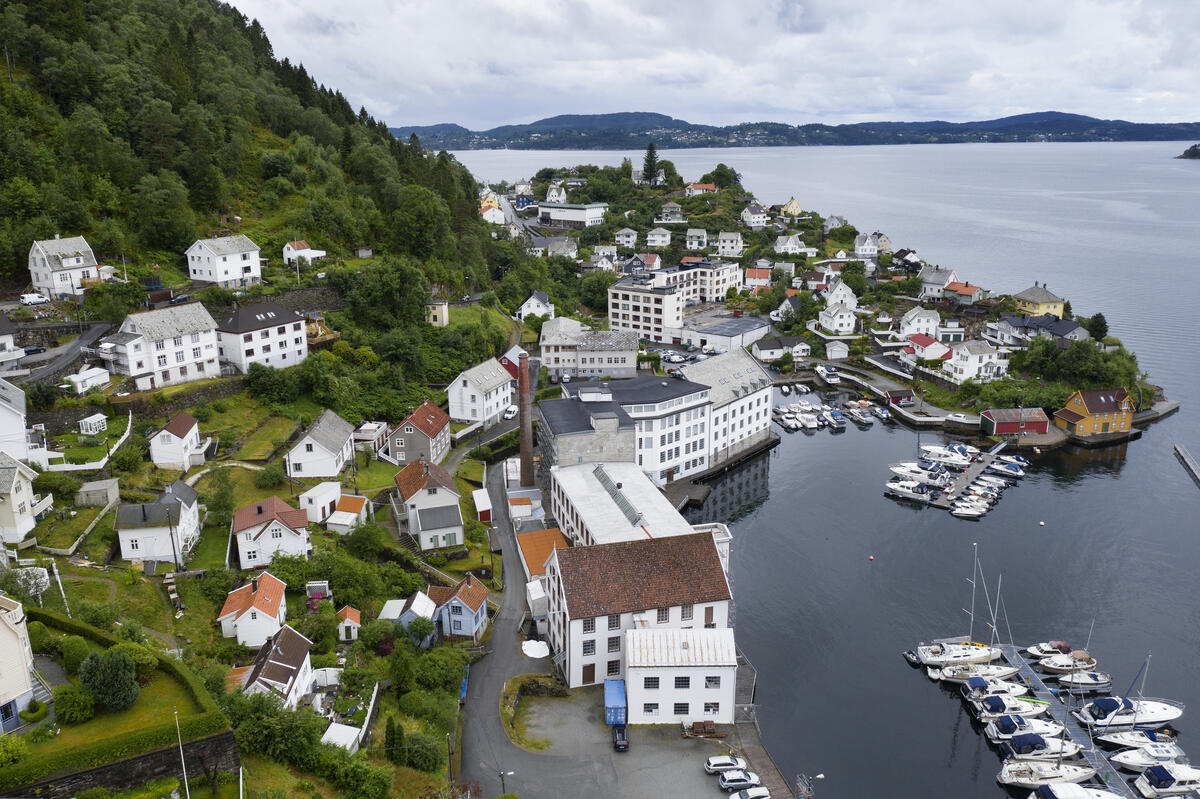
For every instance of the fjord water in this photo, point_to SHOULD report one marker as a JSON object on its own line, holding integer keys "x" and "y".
{"x": 1113, "y": 227}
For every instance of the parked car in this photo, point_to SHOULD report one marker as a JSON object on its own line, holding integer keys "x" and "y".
{"x": 691, "y": 348}
{"x": 737, "y": 780}
{"x": 752, "y": 793}
{"x": 620, "y": 738}
{"x": 180, "y": 299}
{"x": 34, "y": 350}
{"x": 719, "y": 763}
{"x": 510, "y": 411}
{"x": 34, "y": 299}
{"x": 565, "y": 379}
{"x": 960, "y": 418}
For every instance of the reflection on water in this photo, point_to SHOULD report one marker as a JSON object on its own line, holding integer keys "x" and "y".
{"x": 1070, "y": 464}
{"x": 734, "y": 493}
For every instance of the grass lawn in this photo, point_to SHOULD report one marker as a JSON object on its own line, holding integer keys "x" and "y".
{"x": 269, "y": 435}
{"x": 264, "y": 775}
{"x": 210, "y": 549}
{"x": 76, "y": 452}
{"x": 196, "y": 625}
{"x": 372, "y": 474}
{"x": 473, "y": 314}
{"x": 102, "y": 539}
{"x": 478, "y": 555}
{"x": 244, "y": 490}
{"x": 154, "y": 705}
{"x": 471, "y": 470}
{"x": 61, "y": 533}
{"x": 457, "y": 426}
{"x": 242, "y": 414}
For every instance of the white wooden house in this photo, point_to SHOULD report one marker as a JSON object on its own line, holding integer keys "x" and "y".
{"x": 293, "y": 251}
{"x": 16, "y": 665}
{"x": 19, "y": 506}
{"x": 165, "y": 530}
{"x": 59, "y": 267}
{"x": 282, "y": 668}
{"x": 326, "y": 448}
{"x": 537, "y": 304}
{"x": 229, "y": 261}
{"x": 254, "y": 612}
{"x": 481, "y": 393}
{"x": 263, "y": 529}
{"x": 429, "y": 505}
{"x": 178, "y": 445}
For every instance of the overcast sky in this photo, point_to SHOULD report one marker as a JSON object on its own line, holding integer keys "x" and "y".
{"x": 481, "y": 64}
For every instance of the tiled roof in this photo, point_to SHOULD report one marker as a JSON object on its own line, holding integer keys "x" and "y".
{"x": 350, "y": 614}
{"x": 755, "y": 273}
{"x": 181, "y": 425}
{"x": 536, "y": 547}
{"x": 428, "y": 418}
{"x": 921, "y": 340}
{"x": 259, "y": 513}
{"x": 470, "y": 592}
{"x": 351, "y": 504}
{"x": 962, "y": 288}
{"x": 422, "y": 474}
{"x": 637, "y": 575}
{"x": 1069, "y": 415}
{"x": 264, "y": 593}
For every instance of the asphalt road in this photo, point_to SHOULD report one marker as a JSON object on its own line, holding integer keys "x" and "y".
{"x": 64, "y": 355}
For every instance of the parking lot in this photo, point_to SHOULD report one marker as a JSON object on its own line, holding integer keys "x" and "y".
{"x": 660, "y": 762}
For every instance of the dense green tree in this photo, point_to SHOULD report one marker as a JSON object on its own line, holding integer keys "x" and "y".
{"x": 650, "y": 165}
{"x": 111, "y": 677}
{"x": 1097, "y": 326}
{"x": 164, "y": 218}
{"x": 113, "y": 301}
{"x": 220, "y": 499}
{"x": 419, "y": 629}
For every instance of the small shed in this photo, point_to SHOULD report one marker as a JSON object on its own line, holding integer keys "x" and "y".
{"x": 364, "y": 252}
{"x": 349, "y": 620}
{"x": 1013, "y": 421}
{"x": 317, "y": 591}
{"x": 82, "y": 381}
{"x": 97, "y": 493}
{"x": 483, "y": 504}
{"x": 520, "y": 507}
{"x": 342, "y": 735}
{"x": 93, "y": 425}
{"x": 900, "y": 396}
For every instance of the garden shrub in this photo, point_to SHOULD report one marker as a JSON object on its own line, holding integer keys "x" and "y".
{"x": 35, "y": 712}
{"x": 74, "y": 650}
{"x": 439, "y": 711}
{"x": 272, "y": 476}
{"x": 442, "y": 668}
{"x": 12, "y": 749}
{"x": 424, "y": 752}
{"x": 202, "y": 413}
{"x": 111, "y": 677}
{"x": 74, "y": 704}
{"x": 97, "y": 614}
{"x": 39, "y": 636}
{"x": 145, "y": 662}
{"x": 220, "y": 406}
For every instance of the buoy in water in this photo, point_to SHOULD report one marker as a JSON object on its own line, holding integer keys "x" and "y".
{"x": 872, "y": 557}
{"x": 1041, "y": 524}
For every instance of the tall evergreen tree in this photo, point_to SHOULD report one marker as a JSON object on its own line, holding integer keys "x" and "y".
{"x": 650, "y": 164}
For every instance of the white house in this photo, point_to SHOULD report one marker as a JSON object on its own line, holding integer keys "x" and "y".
{"x": 326, "y": 447}
{"x": 756, "y": 276}
{"x": 772, "y": 349}
{"x": 639, "y": 177}
{"x": 696, "y": 238}
{"x": 403, "y": 612}
{"x": 262, "y": 529}
{"x": 538, "y": 304}
{"x": 626, "y": 237}
{"x": 265, "y": 333}
{"x": 87, "y": 379}
{"x": 282, "y": 668}
{"x": 293, "y": 251}
{"x": 838, "y": 291}
{"x": 671, "y": 213}
{"x": 597, "y": 593}
{"x": 934, "y": 282}
{"x": 740, "y": 397}
{"x": 164, "y": 347}
{"x": 793, "y": 245}
{"x": 481, "y": 393}
{"x": 351, "y": 510}
{"x": 461, "y": 609}
{"x": 572, "y": 215}
{"x": 680, "y": 676}
{"x": 429, "y": 505}
{"x": 866, "y": 246}
{"x": 14, "y": 438}
{"x": 609, "y": 251}
{"x": 16, "y": 664}
{"x": 320, "y": 501}
{"x": 254, "y": 612}
{"x": 919, "y": 320}
{"x": 178, "y": 446}
{"x": 837, "y": 319}
{"x": 696, "y": 189}
{"x": 58, "y": 267}
{"x": 492, "y": 215}
{"x": 836, "y": 350}
{"x": 349, "y": 622}
{"x": 658, "y": 237}
{"x": 165, "y": 530}
{"x": 229, "y": 261}
{"x": 10, "y": 353}
{"x": 556, "y": 193}
{"x": 729, "y": 245}
{"x": 975, "y": 360}
{"x": 19, "y": 508}
{"x": 754, "y": 216}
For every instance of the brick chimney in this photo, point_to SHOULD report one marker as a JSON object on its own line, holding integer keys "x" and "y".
{"x": 525, "y": 394}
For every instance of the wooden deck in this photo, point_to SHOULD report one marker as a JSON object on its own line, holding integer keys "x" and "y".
{"x": 1189, "y": 463}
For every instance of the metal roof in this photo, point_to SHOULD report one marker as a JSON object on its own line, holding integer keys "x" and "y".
{"x": 228, "y": 245}
{"x": 165, "y": 323}
{"x": 566, "y": 416}
{"x": 70, "y": 247}
{"x": 330, "y": 431}
{"x": 694, "y": 647}
{"x": 732, "y": 376}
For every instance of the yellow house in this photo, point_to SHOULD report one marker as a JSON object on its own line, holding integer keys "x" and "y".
{"x": 791, "y": 208}
{"x": 1091, "y": 413}
{"x": 489, "y": 201}
{"x": 1037, "y": 300}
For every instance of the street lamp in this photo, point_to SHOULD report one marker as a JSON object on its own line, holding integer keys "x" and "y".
{"x": 503, "y": 774}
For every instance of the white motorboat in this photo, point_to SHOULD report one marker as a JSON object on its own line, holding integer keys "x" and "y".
{"x": 791, "y": 423}
{"x": 945, "y": 457}
{"x": 882, "y": 414}
{"x": 1031, "y": 746}
{"x": 979, "y": 687}
{"x": 954, "y": 654}
{"x": 964, "y": 448}
{"x": 796, "y": 407}
{"x": 1112, "y": 713}
{"x": 808, "y": 421}
{"x": 993, "y": 707}
{"x": 1155, "y": 754}
{"x": 835, "y": 419}
{"x": 1047, "y": 649}
{"x": 1135, "y": 738}
{"x": 912, "y": 473}
{"x": 1083, "y": 682}
{"x": 1070, "y": 790}
{"x": 784, "y": 390}
{"x": 1168, "y": 781}
{"x": 998, "y": 482}
{"x": 1015, "y": 459}
{"x": 1036, "y": 773}
{"x": 964, "y": 671}
{"x": 805, "y": 405}
{"x": 829, "y": 374}
{"x": 779, "y": 410}
{"x": 910, "y": 489}
{"x": 860, "y": 416}
{"x": 1006, "y": 469}
{"x": 1006, "y": 727}
{"x": 1075, "y": 660}
{"x": 968, "y": 512}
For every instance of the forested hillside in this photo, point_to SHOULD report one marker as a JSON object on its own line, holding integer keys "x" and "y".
{"x": 143, "y": 124}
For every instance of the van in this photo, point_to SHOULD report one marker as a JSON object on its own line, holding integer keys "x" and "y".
{"x": 34, "y": 299}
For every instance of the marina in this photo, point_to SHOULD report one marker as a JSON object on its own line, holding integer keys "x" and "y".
{"x": 969, "y": 476}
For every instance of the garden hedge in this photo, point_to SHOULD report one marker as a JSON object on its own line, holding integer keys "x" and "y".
{"x": 209, "y": 721}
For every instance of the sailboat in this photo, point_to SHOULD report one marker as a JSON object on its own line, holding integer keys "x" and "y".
{"x": 1035, "y": 773}
{"x": 947, "y": 653}
{"x": 1116, "y": 713}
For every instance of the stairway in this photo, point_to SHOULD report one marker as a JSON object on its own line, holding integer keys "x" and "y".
{"x": 41, "y": 691}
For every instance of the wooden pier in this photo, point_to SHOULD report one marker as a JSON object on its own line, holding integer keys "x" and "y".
{"x": 1189, "y": 463}
{"x": 970, "y": 475}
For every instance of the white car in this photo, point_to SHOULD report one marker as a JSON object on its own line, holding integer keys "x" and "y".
{"x": 510, "y": 411}
{"x": 960, "y": 418}
{"x": 718, "y": 763}
{"x": 566, "y": 379}
{"x": 758, "y": 792}
{"x": 34, "y": 299}
{"x": 737, "y": 780}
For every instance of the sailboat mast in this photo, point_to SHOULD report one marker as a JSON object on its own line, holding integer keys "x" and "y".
{"x": 974, "y": 576}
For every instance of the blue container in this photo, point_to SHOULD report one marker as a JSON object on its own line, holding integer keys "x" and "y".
{"x": 614, "y": 702}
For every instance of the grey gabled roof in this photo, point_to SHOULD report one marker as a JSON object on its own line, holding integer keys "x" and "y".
{"x": 12, "y": 396}
{"x": 561, "y": 330}
{"x": 257, "y": 316}
{"x": 487, "y": 375}
{"x": 57, "y": 249}
{"x": 726, "y": 236}
{"x": 731, "y": 375}
{"x": 626, "y": 230}
{"x": 177, "y": 320}
{"x": 164, "y": 509}
{"x": 439, "y": 517}
{"x": 974, "y": 347}
{"x": 10, "y": 467}
{"x": 565, "y": 416}
{"x": 695, "y": 231}
{"x": 228, "y": 245}
{"x": 541, "y": 297}
{"x": 1036, "y": 293}
{"x": 330, "y": 431}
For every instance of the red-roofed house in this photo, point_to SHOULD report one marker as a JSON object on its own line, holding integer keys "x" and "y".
{"x": 424, "y": 434}
{"x": 255, "y": 611}
{"x": 178, "y": 445}
{"x": 755, "y": 277}
{"x": 349, "y": 620}
{"x": 926, "y": 347}
{"x": 429, "y": 505}
{"x": 963, "y": 293}
{"x": 350, "y": 511}
{"x": 263, "y": 528}
{"x": 461, "y": 609}
{"x": 295, "y": 250}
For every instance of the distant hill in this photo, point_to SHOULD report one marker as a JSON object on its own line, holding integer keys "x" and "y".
{"x": 635, "y": 129}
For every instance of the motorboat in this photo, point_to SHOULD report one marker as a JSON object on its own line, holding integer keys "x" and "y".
{"x": 913, "y": 473}
{"x": 998, "y": 482}
{"x": 834, "y": 419}
{"x": 962, "y": 672}
{"x": 829, "y": 374}
{"x": 1031, "y": 746}
{"x": 796, "y": 407}
{"x": 1006, "y": 469}
{"x": 784, "y": 390}
{"x": 1007, "y": 727}
{"x": 1036, "y": 773}
{"x": 1135, "y": 738}
{"x": 860, "y": 416}
{"x": 993, "y": 707}
{"x": 1155, "y": 754}
{"x": 790, "y": 423}
{"x": 990, "y": 494}
{"x": 1075, "y": 660}
{"x": 969, "y": 508}
{"x": 1113, "y": 713}
{"x": 882, "y": 414}
{"x": 954, "y": 654}
{"x": 1083, "y": 682}
{"x": 807, "y": 420}
{"x": 968, "y": 512}
{"x": 804, "y": 405}
{"x": 1168, "y": 781}
{"x": 945, "y": 457}
{"x": 979, "y": 687}
{"x": 1070, "y": 790}
{"x": 963, "y": 448}
{"x": 779, "y": 410}
{"x": 1014, "y": 459}
{"x": 910, "y": 489}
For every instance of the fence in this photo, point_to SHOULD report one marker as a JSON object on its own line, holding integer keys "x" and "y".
{"x": 69, "y": 551}
{"x": 93, "y": 465}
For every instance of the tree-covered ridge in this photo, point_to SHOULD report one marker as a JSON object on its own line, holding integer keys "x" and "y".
{"x": 142, "y": 124}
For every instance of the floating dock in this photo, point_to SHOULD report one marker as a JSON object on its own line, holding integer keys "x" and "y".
{"x": 1189, "y": 463}
{"x": 970, "y": 475}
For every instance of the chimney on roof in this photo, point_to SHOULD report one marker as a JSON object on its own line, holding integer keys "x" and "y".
{"x": 259, "y": 508}
{"x": 254, "y": 585}
{"x": 525, "y": 394}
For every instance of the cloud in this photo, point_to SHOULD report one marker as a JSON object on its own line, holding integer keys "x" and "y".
{"x": 483, "y": 64}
